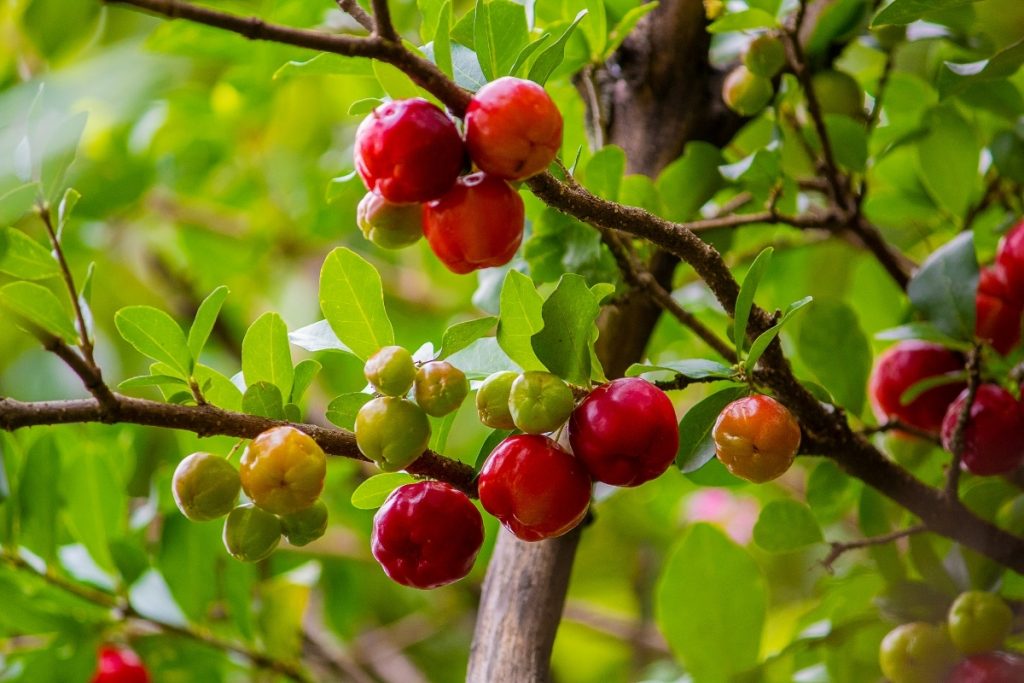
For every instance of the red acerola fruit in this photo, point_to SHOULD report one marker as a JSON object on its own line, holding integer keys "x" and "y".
{"x": 1011, "y": 258}
{"x": 998, "y": 322}
{"x": 478, "y": 224}
{"x": 904, "y": 365}
{"x": 991, "y": 667}
{"x": 408, "y": 151}
{"x": 994, "y": 436}
{"x": 534, "y": 488}
{"x": 426, "y": 534}
{"x": 756, "y": 438}
{"x": 118, "y": 665}
{"x": 513, "y": 128}
{"x": 625, "y": 432}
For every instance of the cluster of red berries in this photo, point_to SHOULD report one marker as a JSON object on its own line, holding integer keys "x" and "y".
{"x": 410, "y": 155}
{"x": 1000, "y": 298}
{"x": 282, "y": 472}
{"x": 119, "y": 665}
{"x": 963, "y": 649}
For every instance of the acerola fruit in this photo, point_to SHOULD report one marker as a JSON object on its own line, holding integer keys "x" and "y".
{"x": 994, "y": 436}
{"x": 392, "y": 432}
{"x": 119, "y": 665}
{"x": 625, "y": 432}
{"x": 1011, "y": 259}
{"x": 745, "y": 92}
{"x": 492, "y": 400}
{"x": 305, "y": 526}
{"x": 478, "y": 224}
{"x": 408, "y": 151}
{"x": 998, "y": 322}
{"x": 904, "y": 365}
{"x": 765, "y": 56}
{"x": 205, "y": 486}
{"x": 979, "y": 621}
{"x": 426, "y": 535}
{"x": 388, "y": 225}
{"x": 534, "y": 488}
{"x": 513, "y": 128}
{"x": 539, "y": 402}
{"x": 838, "y": 93}
{"x": 440, "y": 388}
{"x": 283, "y": 470}
{"x": 990, "y": 667}
{"x": 391, "y": 371}
{"x": 917, "y": 653}
{"x": 251, "y": 534}
{"x": 756, "y": 438}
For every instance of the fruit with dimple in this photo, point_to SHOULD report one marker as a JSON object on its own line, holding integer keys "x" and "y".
{"x": 990, "y": 667}
{"x": 478, "y": 224}
{"x": 765, "y": 56}
{"x": 408, "y": 151}
{"x": 756, "y": 438}
{"x": 392, "y": 432}
{"x": 388, "y": 225}
{"x": 391, "y": 371}
{"x": 283, "y": 470}
{"x": 993, "y": 440}
{"x": 625, "y": 432}
{"x": 492, "y": 400}
{"x": 838, "y": 93}
{"x": 978, "y": 622}
{"x": 534, "y": 488}
{"x": 426, "y": 535}
{"x": 904, "y": 365}
{"x": 205, "y": 486}
{"x": 513, "y": 128}
{"x": 539, "y": 402}
{"x": 305, "y": 526}
{"x": 745, "y": 92}
{"x": 251, "y": 534}
{"x": 119, "y": 665}
{"x": 1011, "y": 258}
{"x": 917, "y": 652}
{"x": 440, "y": 388}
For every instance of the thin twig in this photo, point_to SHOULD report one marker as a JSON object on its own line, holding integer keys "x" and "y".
{"x": 356, "y": 11}
{"x": 85, "y": 340}
{"x": 382, "y": 21}
{"x": 838, "y": 548}
{"x": 958, "y": 441}
{"x": 899, "y": 426}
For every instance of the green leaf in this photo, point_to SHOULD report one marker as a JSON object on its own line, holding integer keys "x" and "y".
{"x": 218, "y": 389}
{"x": 206, "y": 318}
{"x": 461, "y": 335}
{"x": 440, "y": 430}
{"x": 266, "y": 356}
{"x": 874, "y": 521}
{"x": 489, "y": 444}
{"x": 760, "y": 344}
{"x": 317, "y": 337}
{"x": 352, "y": 300}
{"x": 924, "y": 331}
{"x": 785, "y": 526}
{"x": 944, "y": 288}
{"x": 564, "y": 344}
{"x": 831, "y": 331}
{"x": 829, "y": 492}
{"x": 23, "y": 257}
{"x": 430, "y": 11}
{"x": 622, "y": 29}
{"x": 39, "y": 497}
{"x": 372, "y": 493}
{"x": 155, "y": 335}
{"x": 189, "y": 554}
{"x": 561, "y": 244}
{"x": 603, "y": 175}
{"x": 482, "y": 39}
{"x": 708, "y": 576}
{"x": 745, "y": 299}
{"x": 552, "y": 57}
{"x": 442, "y": 40}
{"x": 16, "y": 202}
{"x": 395, "y": 82}
{"x": 263, "y": 399}
{"x": 364, "y": 106}
{"x": 918, "y": 388}
{"x": 909, "y": 11}
{"x": 1003, "y": 64}
{"x": 343, "y": 409}
{"x": 690, "y": 181}
{"x": 305, "y": 373}
{"x": 743, "y": 21}
{"x": 94, "y": 503}
{"x": 326, "y": 64}
{"x": 595, "y": 29}
{"x": 282, "y": 607}
{"x": 39, "y": 309}
{"x": 527, "y": 52}
{"x": 521, "y": 309}
{"x": 151, "y": 381}
{"x": 482, "y": 358}
{"x": 60, "y": 153}
{"x": 948, "y": 158}
{"x": 693, "y": 368}
{"x": 696, "y": 447}
{"x": 849, "y": 141}
{"x": 466, "y": 68}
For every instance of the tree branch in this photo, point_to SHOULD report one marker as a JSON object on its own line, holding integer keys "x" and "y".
{"x": 383, "y": 26}
{"x": 356, "y": 11}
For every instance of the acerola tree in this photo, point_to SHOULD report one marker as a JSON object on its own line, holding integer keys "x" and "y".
{"x": 718, "y": 315}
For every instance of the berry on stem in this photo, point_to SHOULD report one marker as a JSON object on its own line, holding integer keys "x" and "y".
{"x": 745, "y": 92}
{"x": 534, "y": 488}
{"x": 305, "y": 526}
{"x": 119, "y": 665}
{"x": 838, "y": 93}
{"x": 440, "y": 388}
{"x": 904, "y": 365}
{"x": 979, "y": 621}
{"x": 391, "y": 371}
{"x": 251, "y": 534}
{"x": 765, "y": 56}
{"x": 391, "y": 226}
{"x": 426, "y": 535}
{"x": 205, "y": 486}
{"x": 1011, "y": 258}
{"x": 756, "y": 438}
{"x": 492, "y": 400}
{"x": 993, "y": 440}
{"x": 392, "y": 432}
{"x": 283, "y": 470}
{"x": 990, "y": 667}
{"x": 625, "y": 432}
{"x": 539, "y": 402}
{"x": 917, "y": 653}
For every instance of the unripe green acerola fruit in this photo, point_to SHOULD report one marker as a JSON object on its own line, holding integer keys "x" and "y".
{"x": 838, "y": 93}
{"x": 251, "y": 534}
{"x": 305, "y": 526}
{"x": 765, "y": 56}
{"x": 492, "y": 400}
{"x": 205, "y": 486}
{"x": 391, "y": 371}
{"x": 917, "y": 653}
{"x": 745, "y": 92}
{"x": 440, "y": 388}
{"x": 540, "y": 402}
{"x": 388, "y": 225}
{"x": 979, "y": 622}
{"x": 392, "y": 432}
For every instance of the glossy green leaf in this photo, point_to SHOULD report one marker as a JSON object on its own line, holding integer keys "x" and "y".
{"x": 395, "y": 83}
{"x": 23, "y": 257}
{"x": 317, "y": 337}
{"x": 552, "y": 56}
{"x": 343, "y": 409}
{"x": 690, "y": 181}
{"x": 561, "y": 244}
{"x": 372, "y": 493}
{"x": 263, "y": 399}
{"x": 482, "y": 358}
{"x": 524, "y": 54}
{"x": 745, "y": 299}
{"x": 693, "y": 368}
{"x": 924, "y": 331}
{"x": 944, "y": 287}
{"x": 352, "y": 300}
{"x": 696, "y": 447}
{"x": 604, "y": 172}
{"x": 760, "y": 344}
{"x": 305, "y": 372}
{"x": 948, "y": 157}
{"x": 442, "y": 40}
{"x": 830, "y": 329}
{"x": 155, "y": 335}
{"x": 218, "y": 389}
{"x": 266, "y": 356}
{"x": 743, "y": 21}
{"x": 206, "y": 318}
{"x": 151, "y": 381}
{"x": 563, "y": 345}
{"x": 461, "y": 335}
{"x": 626, "y": 24}
{"x": 908, "y": 11}
{"x": 38, "y": 309}
{"x": 521, "y": 318}
{"x": 326, "y": 64}
{"x": 785, "y": 526}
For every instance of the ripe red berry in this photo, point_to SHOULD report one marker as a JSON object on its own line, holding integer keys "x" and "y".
{"x": 756, "y": 438}
{"x": 426, "y": 534}
{"x": 117, "y": 665}
{"x": 1011, "y": 258}
{"x": 903, "y": 366}
{"x": 534, "y": 488}
{"x": 998, "y": 322}
{"x": 513, "y": 128}
{"x": 625, "y": 432}
{"x": 991, "y": 667}
{"x": 478, "y": 224}
{"x": 408, "y": 151}
{"x": 994, "y": 436}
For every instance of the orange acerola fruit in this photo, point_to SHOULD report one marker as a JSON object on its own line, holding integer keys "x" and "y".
{"x": 283, "y": 470}
{"x": 756, "y": 438}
